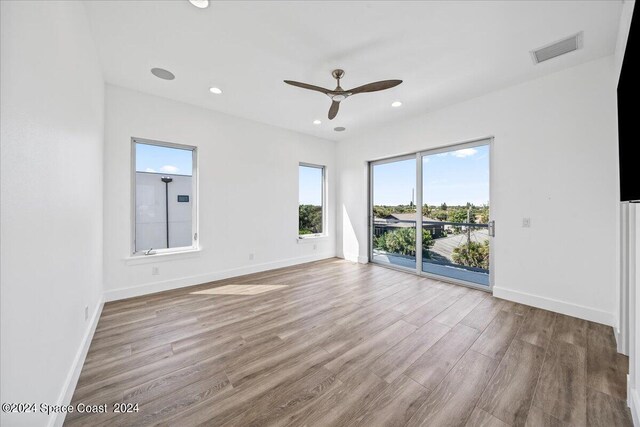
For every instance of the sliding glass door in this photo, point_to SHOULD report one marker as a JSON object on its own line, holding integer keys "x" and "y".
{"x": 393, "y": 212}
{"x": 455, "y": 205}
{"x": 452, "y": 227}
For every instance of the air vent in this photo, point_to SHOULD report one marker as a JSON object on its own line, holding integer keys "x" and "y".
{"x": 558, "y": 48}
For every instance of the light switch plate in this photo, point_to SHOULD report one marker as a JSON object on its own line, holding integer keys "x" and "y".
{"x": 526, "y": 222}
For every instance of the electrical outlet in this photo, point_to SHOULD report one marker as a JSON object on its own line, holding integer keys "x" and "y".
{"x": 250, "y": 257}
{"x": 526, "y": 222}
{"x": 86, "y": 312}
{"x": 155, "y": 271}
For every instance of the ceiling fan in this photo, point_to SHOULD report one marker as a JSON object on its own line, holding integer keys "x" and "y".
{"x": 338, "y": 94}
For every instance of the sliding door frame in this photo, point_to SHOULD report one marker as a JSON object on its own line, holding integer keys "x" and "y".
{"x": 419, "y": 180}
{"x": 370, "y": 210}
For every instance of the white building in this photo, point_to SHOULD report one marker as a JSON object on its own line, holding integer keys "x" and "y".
{"x": 152, "y": 205}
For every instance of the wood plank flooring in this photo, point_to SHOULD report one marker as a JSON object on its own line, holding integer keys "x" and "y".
{"x": 340, "y": 344}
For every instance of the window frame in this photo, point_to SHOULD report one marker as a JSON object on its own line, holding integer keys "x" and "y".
{"x": 324, "y": 233}
{"x": 195, "y": 235}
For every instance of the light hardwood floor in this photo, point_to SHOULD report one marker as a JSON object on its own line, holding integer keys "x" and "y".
{"x": 349, "y": 344}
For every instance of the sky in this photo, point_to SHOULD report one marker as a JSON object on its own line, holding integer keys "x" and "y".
{"x": 310, "y": 189}
{"x": 154, "y": 158}
{"x": 454, "y": 178}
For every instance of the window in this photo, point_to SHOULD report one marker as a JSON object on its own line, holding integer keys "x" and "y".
{"x": 164, "y": 197}
{"x": 311, "y": 200}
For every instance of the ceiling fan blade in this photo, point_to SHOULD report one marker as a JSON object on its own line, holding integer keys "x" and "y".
{"x": 333, "y": 111}
{"x": 307, "y": 86}
{"x": 373, "y": 87}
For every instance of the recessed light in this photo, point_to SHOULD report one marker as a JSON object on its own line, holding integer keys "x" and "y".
{"x": 200, "y": 4}
{"x": 161, "y": 73}
{"x": 396, "y": 103}
{"x": 339, "y": 129}
{"x": 215, "y": 90}
{"x": 317, "y": 122}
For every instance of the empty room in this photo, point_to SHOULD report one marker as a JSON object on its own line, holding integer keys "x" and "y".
{"x": 319, "y": 213}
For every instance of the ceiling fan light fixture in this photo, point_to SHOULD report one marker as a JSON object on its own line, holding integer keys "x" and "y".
{"x": 200, "y": 4}
{"x": 215, "y": 90}
{"x": 396, "y": 104}
{"x": 338, "y": 96}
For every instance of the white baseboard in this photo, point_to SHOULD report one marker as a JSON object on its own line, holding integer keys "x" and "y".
{"x": 76, "y": 368}
{"x": 574, "y": 310}
{"x": 356, "y": 258}
{"x": 150, "y": 288}
{"x": 350, "y": 257}
{"x": 621, "y": 344}
{"x": 618, "y": 337}
{"x": 633, "y": 401}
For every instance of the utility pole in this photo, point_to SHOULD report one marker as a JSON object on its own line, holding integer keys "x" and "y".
{"x": 468, "y": 227}
{"x": 166, "y": 181}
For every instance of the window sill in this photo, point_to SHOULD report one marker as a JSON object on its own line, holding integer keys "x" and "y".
{"x": 312, "y": 238}
{"x": 162, "y": 257}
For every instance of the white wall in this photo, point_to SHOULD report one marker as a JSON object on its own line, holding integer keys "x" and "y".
{"x": 248, "y": 193}
{"x": 52, "y": 151}
{"x": 623, "y": 34}
{"x": 630, "y": 276}
{"x": 554, "y": 160}
{"x": 622, "y": 325}
{"x": 629, "y": 241}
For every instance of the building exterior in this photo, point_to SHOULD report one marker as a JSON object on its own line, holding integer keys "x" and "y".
{"x": 406, "y": 220}
{"x": 151, "y": 211}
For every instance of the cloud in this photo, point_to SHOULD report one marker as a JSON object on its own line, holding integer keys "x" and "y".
{"x": 149, "y": 170}
{"x": 169, "y": 169}
{"x": 465, "y": 152}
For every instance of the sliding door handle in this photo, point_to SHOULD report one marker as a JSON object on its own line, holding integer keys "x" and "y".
{"x": 491, "y": 226}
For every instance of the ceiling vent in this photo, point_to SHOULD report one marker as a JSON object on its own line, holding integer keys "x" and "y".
{"x": 558, "y": 48}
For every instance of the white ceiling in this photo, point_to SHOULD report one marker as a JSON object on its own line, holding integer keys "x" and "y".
{"x": 445, "y": 52}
